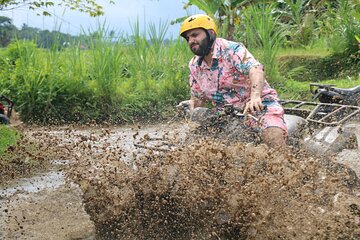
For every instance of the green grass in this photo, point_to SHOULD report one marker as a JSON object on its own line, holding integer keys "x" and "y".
{"x": 8, "y": 137}
{"x": 318, "y": 68}
{"x": 296, "y": 90}
{"x": 312, "y": 52}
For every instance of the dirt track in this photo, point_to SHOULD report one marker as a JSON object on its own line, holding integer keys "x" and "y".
{"x": 329, "y": 198}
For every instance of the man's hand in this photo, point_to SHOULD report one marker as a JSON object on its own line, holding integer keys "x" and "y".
{"x": 191, "y": 104}
{"x": 183, "y": 104}
{"x": 187, "y": 105}
{"x": 253, "y": 106}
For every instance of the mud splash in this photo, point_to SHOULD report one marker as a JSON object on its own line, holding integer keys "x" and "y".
{"x": 205, "y": 188}
{"x": 213, "y": 189}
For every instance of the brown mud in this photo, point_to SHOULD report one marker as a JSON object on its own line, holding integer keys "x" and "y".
{"x": 206, "y": 188}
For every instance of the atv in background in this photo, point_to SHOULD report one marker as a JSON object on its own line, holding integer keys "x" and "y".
{"x": 6, "y": 107}
{"x": 327, "y": 93}
{"x": 332, "y": 119}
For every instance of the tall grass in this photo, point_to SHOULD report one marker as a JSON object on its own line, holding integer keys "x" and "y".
{"x": 264, "y": 32}
{"x": 301, "y": 23}
{"x": 105, "y": 56}
{"x": 123, "y": 79}
{"x": 28, "y": 78}
{"x": 344, "y": 26}
{"x": 317, "y": 50}
{"x": 154, "y": 77}
{"x": 100, "y": 78}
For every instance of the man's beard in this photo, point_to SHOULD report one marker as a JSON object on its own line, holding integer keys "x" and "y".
{"x": 202, "y": 48}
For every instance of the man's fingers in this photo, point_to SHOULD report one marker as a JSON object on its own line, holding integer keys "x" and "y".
{"x": 253, "y": 107}
{"x": 183, "y": 104}
{"x": 258, "y": 107}
{"x": 247, "y": 108}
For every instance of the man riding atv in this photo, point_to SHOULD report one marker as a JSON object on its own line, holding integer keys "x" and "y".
{"x": 226, "y": 73}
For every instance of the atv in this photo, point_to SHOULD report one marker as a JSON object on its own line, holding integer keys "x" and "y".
{"x": 6, "y": 107}
{"x": 327, "y": 125}
{"x": 327, "y": 93}
{"x": 332, "y": 119}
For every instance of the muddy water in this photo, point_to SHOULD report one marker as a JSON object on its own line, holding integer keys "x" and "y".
{"x": 47, "y": 205}
{"x": 205, "y": 189}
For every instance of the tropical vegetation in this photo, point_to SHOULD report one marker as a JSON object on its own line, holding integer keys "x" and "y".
{"x": 88, "y": 6}
{"x": 55, "y": 78}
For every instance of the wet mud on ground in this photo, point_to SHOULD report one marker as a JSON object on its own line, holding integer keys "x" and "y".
{"x": 103, "y": 187}
{"x": 47, "y": 206}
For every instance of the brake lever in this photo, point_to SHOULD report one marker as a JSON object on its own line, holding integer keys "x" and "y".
{"x": 247, "y": 115}
{"x": 240, "y": 114}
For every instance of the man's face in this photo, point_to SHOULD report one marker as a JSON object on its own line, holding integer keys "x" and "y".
{"x": 197, "y": 41}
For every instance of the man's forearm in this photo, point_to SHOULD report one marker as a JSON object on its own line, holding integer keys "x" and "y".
{"x": 257, "y": 78}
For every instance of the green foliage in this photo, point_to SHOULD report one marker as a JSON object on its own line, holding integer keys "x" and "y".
{"x": 99, "y": 77}
{"x": 299, "y": 16}
{"x": 7, "y": 31}
{"x": 37, "y": 81}
{"x": 23, "y": 51}
{"x": 107, "y": 57}
{"x": 110, "y": 80}
{"x": 263, "y": 31}
{"x": 343, "y": 27}
{"x": 8, "y": 137}
{"x": 294, "y": 90}
{"x": 90, "y": 7}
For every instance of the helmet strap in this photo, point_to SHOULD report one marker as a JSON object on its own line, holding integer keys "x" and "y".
{"x": 210, "y": 41}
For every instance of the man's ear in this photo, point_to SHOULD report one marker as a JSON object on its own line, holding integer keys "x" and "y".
{"x": 212, "y": 32}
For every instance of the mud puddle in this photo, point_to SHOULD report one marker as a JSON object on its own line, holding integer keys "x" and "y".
{"x": 43, "y": 206}
{"x": 49, "y": 180}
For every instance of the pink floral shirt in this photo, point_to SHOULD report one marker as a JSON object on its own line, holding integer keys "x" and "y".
{"x": 226, "y": 81}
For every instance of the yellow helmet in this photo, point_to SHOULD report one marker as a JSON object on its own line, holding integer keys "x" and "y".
{"x": 197, "y": 21}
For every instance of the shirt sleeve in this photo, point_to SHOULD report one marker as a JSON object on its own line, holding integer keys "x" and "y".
{"x": 243, "y": 60}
